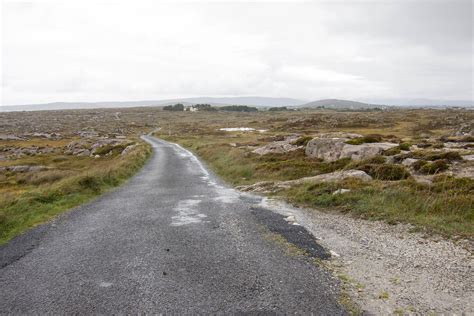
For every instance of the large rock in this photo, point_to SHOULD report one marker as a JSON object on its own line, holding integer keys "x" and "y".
{"x": 332, "y": 149}
{"x": 364, "y": 151}
{"x": 275, "y": 148}
{"x": 279, "y": 147}
{"x": 328, "y": 149}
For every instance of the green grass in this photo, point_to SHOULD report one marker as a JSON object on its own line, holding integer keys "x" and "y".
{"x": 446, "y": 208}
{"x": 26, "y": 204}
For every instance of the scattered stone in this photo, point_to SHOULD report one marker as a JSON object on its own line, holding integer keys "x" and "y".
{"x": 461, "y": 171}
{"x": 88, "y": 134}
{"x": 468, "y": 157}
{"x": 43, "y": 135}
{"x": 407, "y": 162}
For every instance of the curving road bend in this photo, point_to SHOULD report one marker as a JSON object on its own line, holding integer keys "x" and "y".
{"x": 173, "y": 239}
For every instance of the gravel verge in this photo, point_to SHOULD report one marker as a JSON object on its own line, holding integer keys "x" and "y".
{"x": 388, "y": 269}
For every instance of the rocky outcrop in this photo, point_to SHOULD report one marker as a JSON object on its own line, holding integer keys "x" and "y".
{"x": 19, "y": 152}
{"x": 92, "y": 148}
{"x": 77, "y": 147}
{"x": 328, "y": 149}
{"x": 364, "y": 151}
{"x": 269, "y": 186}
{"x": 332, "y": 149}
{"x": 332, "y": 177}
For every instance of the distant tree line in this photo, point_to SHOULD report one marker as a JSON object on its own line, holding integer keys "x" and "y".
{"x": 176, "y": 107}
{"x": 238, "y": 108}
{"x": 204, "y": 107}
{"x": 278, "y": 108}
{"x": 208, "y": 107}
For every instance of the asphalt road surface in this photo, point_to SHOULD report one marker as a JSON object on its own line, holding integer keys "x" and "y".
{"x": 173, "y": 239}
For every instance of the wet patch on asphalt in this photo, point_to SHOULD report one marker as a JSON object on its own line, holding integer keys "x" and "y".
{"x": 294, "y": 234}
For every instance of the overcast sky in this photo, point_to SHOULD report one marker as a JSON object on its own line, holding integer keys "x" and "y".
{"x": 80, "y": 50}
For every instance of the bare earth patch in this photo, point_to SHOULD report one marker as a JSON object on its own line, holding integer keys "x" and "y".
{"x": 389, "y": 269}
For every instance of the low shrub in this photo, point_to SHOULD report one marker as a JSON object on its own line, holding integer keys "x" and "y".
{"x": 377, "y": 160}
{"x": 387, "y": 172}
{"x": 433, "y": 155}
{"x": 302, "y": 141}
{"x": 417, "y": 165}
{"x": 423, "y": 145}
{"x": 339, "y": 164}
{"x": 90, "y": 182}
{"x": 391, "y": 151}
{"x": 404, "y": 146}
{"x": 434, "y": 167}
{"x": 371, "y": 138}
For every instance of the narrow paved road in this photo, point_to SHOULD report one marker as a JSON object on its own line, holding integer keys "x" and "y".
{"x": 171, "y": 240}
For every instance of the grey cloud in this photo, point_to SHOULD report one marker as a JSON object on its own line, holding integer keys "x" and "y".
{"x": 124, "y": 50}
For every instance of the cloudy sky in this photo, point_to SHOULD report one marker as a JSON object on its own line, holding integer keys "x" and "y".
{"x": 88, "y": 50}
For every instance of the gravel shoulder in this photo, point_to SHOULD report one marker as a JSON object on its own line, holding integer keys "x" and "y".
{"x": 389, "y": 269}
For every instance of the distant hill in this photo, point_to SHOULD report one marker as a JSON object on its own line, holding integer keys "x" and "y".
{"x": 251, "y": 101}
{"x": 339, "y": 104}
{"x": 422, "y": 102}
